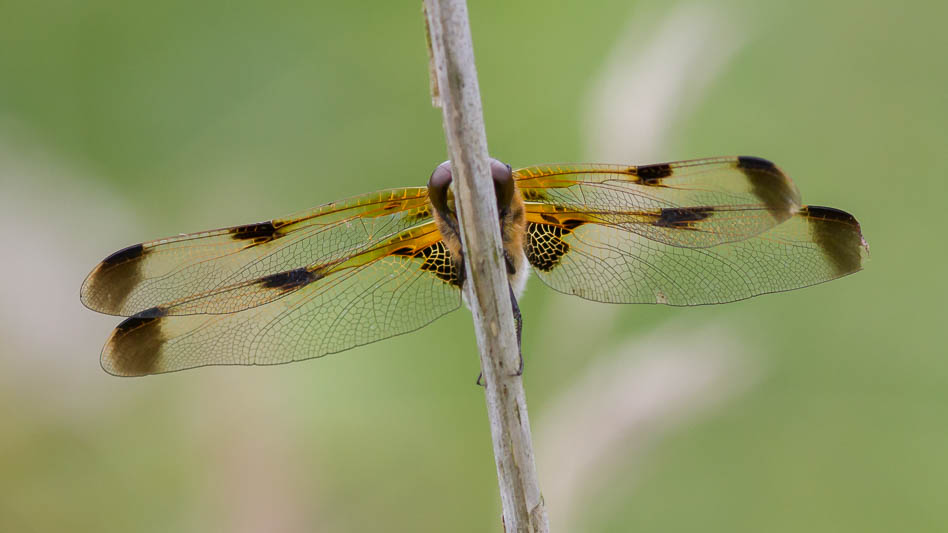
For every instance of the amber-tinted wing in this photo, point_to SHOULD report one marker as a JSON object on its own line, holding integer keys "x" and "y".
{"x": 336, "y": 277}
{"x": 688, "y": 233}
{"x": 216, "y": 271}
{"x": 397, "y": 288}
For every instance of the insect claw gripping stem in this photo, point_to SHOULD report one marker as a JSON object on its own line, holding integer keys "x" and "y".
{"x": 518, "y": 318}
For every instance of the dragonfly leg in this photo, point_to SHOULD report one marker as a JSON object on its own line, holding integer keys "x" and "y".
{"x": 518, "y": 319}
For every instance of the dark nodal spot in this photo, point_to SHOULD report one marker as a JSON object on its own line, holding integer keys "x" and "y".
{"x": 652, "y": 174}
{"x": 152, "y": 312}
{"x": 261, "y": 230}
{"x": 681, "y": 217}
{"x": 748, "y": 162}
{"x": 140, "y": 319}
{"x": 829, "y": 213}
{"x": 124, "y": 255}
{"x": 291, "y": 279}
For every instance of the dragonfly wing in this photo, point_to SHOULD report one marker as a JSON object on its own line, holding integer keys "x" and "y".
{"x": 690, "y": 233}
{"x": 618, "y": 189}
{"x": 190, "y": 267}
{"x": 371, "y": 297}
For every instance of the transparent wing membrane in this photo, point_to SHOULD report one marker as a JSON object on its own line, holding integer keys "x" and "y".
{"x": 374, "y": 266}
{"x": 690, "y": 233}
{"x": 362, "y": 303}
{"x": 615, "y": 189}
{"x": 178, "y": 268}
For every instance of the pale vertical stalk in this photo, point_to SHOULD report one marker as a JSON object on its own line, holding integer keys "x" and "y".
{"x": 455, "y": 89}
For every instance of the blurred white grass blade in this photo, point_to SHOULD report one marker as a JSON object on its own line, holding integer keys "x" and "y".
{"x": 58, "y": 221}
{"x": 627, "y": 402}
{"x": 654, "y": 77}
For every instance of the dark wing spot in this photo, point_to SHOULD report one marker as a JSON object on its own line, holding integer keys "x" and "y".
{"x": 838, "y": 234}
{"x": 406, "y": 251}
{"x": 260, "y": 232}
{"x": 549, "y": 218}
{"x": 748, "y": 162}
{"x": 140, "y": 319}
{"x": 124, "y": 255}
{"x": 545, "y": 246}
{"x": 682, "y": 217}
{"x": 652, "y": 174}
{"x": 769, "y": 184}
{"x": 573, "y": 224}
{"x": 438, "y": 261}
{"x": 289, "y": 280}
{"x": 133, "y": 348}
{"x": 109, "y": 285}
{"x": 830, "y": 213}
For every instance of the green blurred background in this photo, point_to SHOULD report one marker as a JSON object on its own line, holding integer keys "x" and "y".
{"x": 817, "y": 410}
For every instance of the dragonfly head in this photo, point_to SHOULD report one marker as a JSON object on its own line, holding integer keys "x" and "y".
{"x": 442, "y": 195}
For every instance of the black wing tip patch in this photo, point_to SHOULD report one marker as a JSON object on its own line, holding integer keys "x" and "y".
{"x": 133, "y": 348}
{"x": 141, "y": 318}
{"x": 749, "y": 162}
{"x": 830, "y": 213}
{"x": 839, "y": 236}
{"x": 107, "y": 287}
{"x": 124, "y": 255}
{"x": 770, "y": 185}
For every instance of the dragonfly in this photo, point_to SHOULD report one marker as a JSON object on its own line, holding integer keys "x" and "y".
{"x": 356, "y": 271}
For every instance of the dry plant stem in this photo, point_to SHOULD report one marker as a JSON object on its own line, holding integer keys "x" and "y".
{"x": 486, "y": 288}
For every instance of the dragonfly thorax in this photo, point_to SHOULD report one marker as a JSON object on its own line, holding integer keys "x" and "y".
{"x": 510, "y": 211}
